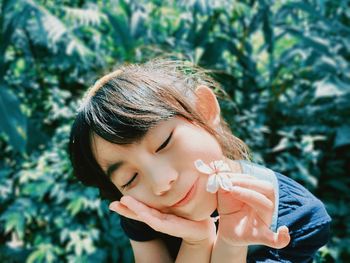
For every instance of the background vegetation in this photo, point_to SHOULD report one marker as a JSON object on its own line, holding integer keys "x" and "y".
{"x": 285, "y": 65}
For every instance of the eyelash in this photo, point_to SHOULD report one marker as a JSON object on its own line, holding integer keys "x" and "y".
{"x": 130, "y": 181}
{"x": 164, "y": 144}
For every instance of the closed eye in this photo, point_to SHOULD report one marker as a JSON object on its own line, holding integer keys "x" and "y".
{"x": 129, "y": 182}
{"x": 165, "y": 143}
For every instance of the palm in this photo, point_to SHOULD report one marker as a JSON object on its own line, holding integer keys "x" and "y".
{"x": 191, "y": 231}
{"x": 243, "y": 227}
{"x": 246, "y": 214}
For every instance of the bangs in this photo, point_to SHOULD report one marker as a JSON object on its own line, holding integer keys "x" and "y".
{"x": 122, "y": 117}
{"x": 120, "y": 129}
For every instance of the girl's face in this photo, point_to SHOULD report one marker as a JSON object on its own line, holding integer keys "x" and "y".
{"x": 159, "y": 171}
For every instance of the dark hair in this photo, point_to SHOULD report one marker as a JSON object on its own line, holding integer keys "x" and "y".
{"x": 123, "y": 105}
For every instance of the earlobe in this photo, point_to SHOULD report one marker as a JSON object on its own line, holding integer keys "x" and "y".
{"x": 207, "y": 104}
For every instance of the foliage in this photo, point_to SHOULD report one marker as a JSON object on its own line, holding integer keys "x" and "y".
{"x": 284, "y": 64}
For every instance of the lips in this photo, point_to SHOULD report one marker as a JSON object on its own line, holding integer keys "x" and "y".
{"x": 188, "y": 197}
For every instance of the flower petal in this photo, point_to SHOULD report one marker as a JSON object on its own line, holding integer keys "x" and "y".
{"x": 225, "y": 181}
{"x": 213, "y": 184}
{"x": 202, "y": 167}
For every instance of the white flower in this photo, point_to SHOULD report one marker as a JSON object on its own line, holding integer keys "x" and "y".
{"x": 219, "y": 175}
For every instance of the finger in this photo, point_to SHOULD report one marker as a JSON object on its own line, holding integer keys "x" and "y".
{"x": 277, "y": 240}
{"x": 191, "y": 231}
{"x": 122, "y": 210}
{"x": 164, "y": 223}
{"x": 227, "y": 204}
{"x": 243, "y": 176}
{"x": 257, "y": 201}
{"x": 261, "y": 186}
{"x": 151, "y": 216}
{"x": 138, "y": 207}
{"x": 160, "y": 222}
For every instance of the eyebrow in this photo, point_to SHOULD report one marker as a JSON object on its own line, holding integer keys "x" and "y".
{"x": 113, "y": 167}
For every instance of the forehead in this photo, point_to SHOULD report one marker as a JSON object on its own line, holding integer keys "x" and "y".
{"x": 105, "y": 151}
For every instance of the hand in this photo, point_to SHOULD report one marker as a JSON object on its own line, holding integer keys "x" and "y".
{"x": 192, "y": 232}
{"x": 246, "y": 214}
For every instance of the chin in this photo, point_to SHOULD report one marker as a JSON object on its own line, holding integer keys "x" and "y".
{"x": 201, "y": 213}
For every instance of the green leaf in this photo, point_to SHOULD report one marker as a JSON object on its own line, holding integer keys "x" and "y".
{"x": 76, "y": 205}
{"x": 14, "y": 221}
{"x": 13, "y": 122}
{"x": 201, "y": 37}
{"x": 304, "y": 6}
{"x": 137, "y": 23}
{"x": 121, "y": 29}
{"x": 310, "y": 41}
{"x": 36, "y": 256}
{"x": 44, "y": 253}
{"x": 37, "y": 189}
{"x": 283, "y": 144}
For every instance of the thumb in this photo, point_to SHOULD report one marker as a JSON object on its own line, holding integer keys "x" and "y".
{"x": 277, "y": 240}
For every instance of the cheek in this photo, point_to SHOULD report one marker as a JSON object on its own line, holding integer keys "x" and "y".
{"x": 206, "y": 204}
{"x": 202, "y": 206}
{"x": 199, "y": 144}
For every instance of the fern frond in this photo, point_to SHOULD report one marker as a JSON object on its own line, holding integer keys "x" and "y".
{"x": 54, "y": 27}
{"x": 84, "y": 17}
{"x": 51, "y": 25}
{"x": 75, "y": 44}
{"x": 53, "y": 31}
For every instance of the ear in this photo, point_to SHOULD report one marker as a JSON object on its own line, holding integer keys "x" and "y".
{"x": 207, "y": 104}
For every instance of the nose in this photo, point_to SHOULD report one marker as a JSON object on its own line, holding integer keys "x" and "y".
{"x": 162, "y": 180}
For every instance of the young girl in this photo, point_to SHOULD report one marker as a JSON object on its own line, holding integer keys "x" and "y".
{"x": 151, "y": 138}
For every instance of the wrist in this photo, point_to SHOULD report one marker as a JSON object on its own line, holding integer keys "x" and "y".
{"x": 226, "y": 250}
{"x": 208, "y": 238}
{"x": 199, "y": 248}
{"x": 201, "y": 242}
{"x": 224, "y": 242}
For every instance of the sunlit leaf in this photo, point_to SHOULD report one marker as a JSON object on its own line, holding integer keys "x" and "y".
{"x": 85, "y": 16}
{"x": 76, "y": 205}
{"x": 282, "y": 145}
{"x": 14, "y": 221}
{"x": 326, "y": 88}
